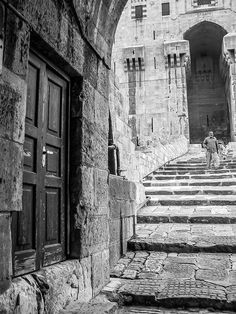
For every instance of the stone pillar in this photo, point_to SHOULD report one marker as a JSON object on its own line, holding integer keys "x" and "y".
{"x": 228, "y": 71}
{"x": 13, "y": 69}
{"x": 177, "y": 56}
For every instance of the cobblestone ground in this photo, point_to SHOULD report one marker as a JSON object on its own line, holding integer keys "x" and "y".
{"x": 184, "y": 251}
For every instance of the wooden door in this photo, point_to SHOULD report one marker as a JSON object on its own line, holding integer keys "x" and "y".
{"x": 39, "y": 230}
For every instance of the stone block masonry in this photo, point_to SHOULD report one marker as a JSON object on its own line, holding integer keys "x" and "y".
{"x": 137, "y": 162}
{"x": 65, "y": 38}
{"x": 122, "y": 205}
{"x": 49, "y": 290}
{"x": 162, "y": 94}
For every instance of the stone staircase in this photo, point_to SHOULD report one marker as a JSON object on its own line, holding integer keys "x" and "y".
{"x": 184, "y": 253}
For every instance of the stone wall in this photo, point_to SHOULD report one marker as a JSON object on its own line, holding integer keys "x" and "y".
{"x": 137, "y": 162}
{"x": 122, "y": 204}
{"x": 51, "y": 289}
{"x": 65, "y": 36}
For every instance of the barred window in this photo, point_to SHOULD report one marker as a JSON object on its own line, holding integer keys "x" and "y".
{"x": 139, "y": 11}
{"x": 165, "y": 8}
{"x": 203, "y": 2}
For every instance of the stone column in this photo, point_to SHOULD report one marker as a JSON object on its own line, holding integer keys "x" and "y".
{"x": 228, "y": 71}
{"x": 177, "y": 54}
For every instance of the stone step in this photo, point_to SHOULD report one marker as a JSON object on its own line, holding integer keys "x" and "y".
{"x": 194, "y": 176}
{"x": 175, "y": 282}
{"x": 187, "y": 200}
{"x": 202, "y": 160}
{"x": 192, "y": 182}
{"x": 187, "y": 214}
{"x": 185, "y": 238}
{"x": 192, "y": 171}
{"x": 191, "y": 190}
{"x": 157, "y": 310}
{"x": 194, "y": 167}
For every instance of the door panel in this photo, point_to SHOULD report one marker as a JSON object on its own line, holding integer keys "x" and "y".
{"x": 30, "y": 151}
{"x": 32, "y": 94}
{"x": 39, "y": 230}
{"x": 52, "y": 216}
{"x": 54, "y": 108}
{"x": 54, "y": 173}
{"x": 26, "y": 220}
{"x": 53, "y": 161}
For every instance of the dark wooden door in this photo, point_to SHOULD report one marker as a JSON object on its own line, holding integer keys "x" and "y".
{"x": 39, "y": 230}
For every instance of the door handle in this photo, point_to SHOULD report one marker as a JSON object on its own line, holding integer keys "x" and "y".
{"x": 44, "y": 156}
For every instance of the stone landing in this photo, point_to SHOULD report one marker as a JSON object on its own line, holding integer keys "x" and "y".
{"x": 183, "y": 257}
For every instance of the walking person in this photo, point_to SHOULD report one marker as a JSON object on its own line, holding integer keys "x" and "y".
{"x": 211, "y": 145}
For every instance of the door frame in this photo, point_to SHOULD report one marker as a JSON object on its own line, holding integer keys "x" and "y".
{"x": 54, "y": 69}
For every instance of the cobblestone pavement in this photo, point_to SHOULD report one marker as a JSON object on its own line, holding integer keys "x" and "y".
{"x": 207, "y": 267}
{"x": 184, "y": 251}
{"x": 200, "y": 279}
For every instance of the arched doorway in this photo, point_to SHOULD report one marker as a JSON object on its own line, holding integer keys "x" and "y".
{"x": 207, "y": 104}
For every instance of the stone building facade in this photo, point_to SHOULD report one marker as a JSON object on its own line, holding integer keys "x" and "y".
{"x": 64, "y": 219}
{"x": 176, "y": 66}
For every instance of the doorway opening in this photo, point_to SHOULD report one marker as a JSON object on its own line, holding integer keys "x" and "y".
{"x": 39, "y": 231}
{"x": 207, "y": 102}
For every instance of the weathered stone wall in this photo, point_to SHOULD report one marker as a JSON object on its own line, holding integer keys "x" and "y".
{"x": 51, "y": 289}
{"x": 137, "y": 162}
{"x": 78, "y": 41}
{"x": 159, "y": 90}
{"x": 122, "y": 204}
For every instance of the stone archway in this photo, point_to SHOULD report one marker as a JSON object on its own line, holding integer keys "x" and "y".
{"x": 207, "y": 103}
{"x": 98, "y": 20}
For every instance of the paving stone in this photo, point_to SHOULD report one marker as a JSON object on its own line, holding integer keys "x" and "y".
{"x": 203, "y": 293}
{"x": 213, "y": 262}
{"x": 219, "y": 276}
{"x": 125, "y": 261}
{"x": 129, "y": 274}
{"x": 118, "y": 270}
{"x": 178, "y": 270}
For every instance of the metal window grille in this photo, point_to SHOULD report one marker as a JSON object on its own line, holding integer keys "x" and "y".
{"x": 203, "y": 2}
{"x": 165, "y": 8}
{"x": 138, "y": 11}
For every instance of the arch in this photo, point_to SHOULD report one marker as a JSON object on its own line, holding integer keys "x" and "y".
{"x": 209, "y": 34}
{"x": 207, "y": 105}
{"x": 98, "y": 21}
